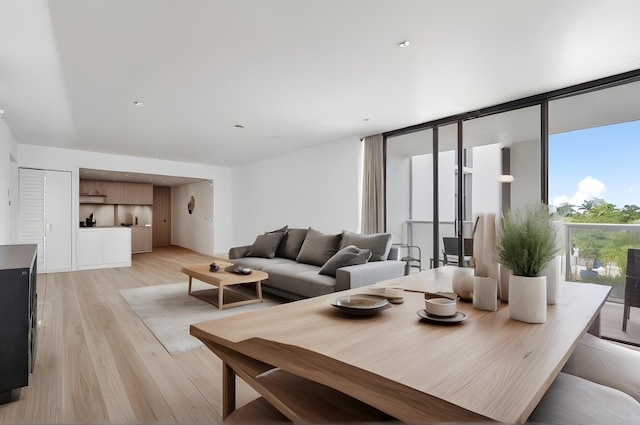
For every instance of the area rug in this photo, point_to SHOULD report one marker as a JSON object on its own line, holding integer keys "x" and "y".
{"x": 167, "y": 310}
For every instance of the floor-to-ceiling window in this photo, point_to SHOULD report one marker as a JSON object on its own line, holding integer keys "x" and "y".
{"x": 409, "y": 197}
{"x": 556, "y": 147}
{"x": 594, "y": 143}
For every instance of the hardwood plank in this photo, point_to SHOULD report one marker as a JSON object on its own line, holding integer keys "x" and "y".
{"x": 183, "y": 398}
{"x": 97, "y": 322}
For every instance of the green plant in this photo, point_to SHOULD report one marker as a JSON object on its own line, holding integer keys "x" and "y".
{"x": 527, "y": 241}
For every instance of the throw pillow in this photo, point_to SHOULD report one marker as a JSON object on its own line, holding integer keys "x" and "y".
{"x": 378, "y": 243}
{"x": 348, "y": 256}
{"x": 265, "y": 246}
{"x": 282, "y": 229}
{"x": 291, "y": 244}
{"x": 318, "y": 247}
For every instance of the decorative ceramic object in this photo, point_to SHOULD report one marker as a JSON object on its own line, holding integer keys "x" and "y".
{"x": 528, "y": 298}
{"x": 443, "y": 307}
{"x": 485, "y": 293}
{"x": 478, "y": 246}
{"x": 553, "y": 274}
{"x": 505, "y": 273}
{"x": 462, "y": 283}
{"x": 489, "y": 255}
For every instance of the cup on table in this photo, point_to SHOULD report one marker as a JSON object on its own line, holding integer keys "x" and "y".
{"x": 442, "y": 307}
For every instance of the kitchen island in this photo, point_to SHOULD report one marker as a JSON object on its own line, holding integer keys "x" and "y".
{"x": 103, "y": 247}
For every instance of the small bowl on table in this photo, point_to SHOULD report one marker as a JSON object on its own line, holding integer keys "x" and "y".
{"x": 441, "y": 307}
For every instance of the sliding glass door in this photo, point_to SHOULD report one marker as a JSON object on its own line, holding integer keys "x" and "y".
{"x": 409, "y": 200}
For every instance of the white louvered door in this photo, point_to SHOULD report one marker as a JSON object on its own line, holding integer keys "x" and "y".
{"x": 45, "y": 216}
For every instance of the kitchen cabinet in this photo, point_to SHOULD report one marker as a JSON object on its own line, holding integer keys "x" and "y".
{"x": 141, "y": 239}
{"x": 137, "y": 194}
{"x": 104, "y": 247}
{"x": 116, "y": 193}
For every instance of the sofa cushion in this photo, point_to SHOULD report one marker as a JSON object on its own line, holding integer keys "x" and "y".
{"x": 265, "y": 246}
{"x": 291, "y": 243}
{"x": 318, "y": 247}
{"x": 283, "y": 229}
{"x": 298, "y": 278}
{"x": 575, "y": 401}
{"x": 350, "y": 255}
{"x": 378, "y": 243}
{"x": 257, "y": 263}
{"x": 606, "y": 363}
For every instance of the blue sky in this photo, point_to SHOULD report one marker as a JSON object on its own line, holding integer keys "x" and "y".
{"x": 601, "y": 162}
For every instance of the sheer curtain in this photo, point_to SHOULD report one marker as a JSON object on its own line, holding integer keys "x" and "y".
{"x": 373, "y": 185}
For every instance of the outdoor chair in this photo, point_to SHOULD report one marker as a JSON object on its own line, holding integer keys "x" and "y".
{"x": 632, "y": 285}
{"x": 412, "y": 259}
{"x": 450, "y": 251}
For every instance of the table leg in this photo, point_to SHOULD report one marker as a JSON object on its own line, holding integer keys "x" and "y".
{"x": 228, "y": 390}
{"x": 220, "y": 298}
{"x": 189, "y": 285}
{"x": 259, "y": 289}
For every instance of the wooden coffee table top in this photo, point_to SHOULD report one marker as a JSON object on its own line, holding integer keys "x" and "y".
{"x": 222, "y": 278}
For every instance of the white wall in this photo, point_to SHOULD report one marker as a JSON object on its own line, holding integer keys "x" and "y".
{"x": 195, "y": 230}
{"x": 525, "y": 169}
{"x": 8, "y": 185}
{"x": 316, "y": 187}
{"x": 486, "y": 171}
{"x": 72, "y": 160}
{"x": 398, "y": 195}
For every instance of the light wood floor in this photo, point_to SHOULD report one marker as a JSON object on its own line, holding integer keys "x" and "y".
{"x": 98, "y": 363}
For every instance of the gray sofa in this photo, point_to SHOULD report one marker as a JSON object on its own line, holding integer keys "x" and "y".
{"x": 304, "y": 263}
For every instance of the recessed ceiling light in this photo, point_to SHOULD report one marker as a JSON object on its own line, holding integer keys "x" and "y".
{"x": 404, "y": 43}
{"x": 138, "y": 103}
{"x": 238, "y": 126}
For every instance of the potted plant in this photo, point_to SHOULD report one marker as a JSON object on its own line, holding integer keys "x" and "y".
{"x": 526, "y": 244}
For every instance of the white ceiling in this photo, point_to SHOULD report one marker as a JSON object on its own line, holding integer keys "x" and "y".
{"x": 294, "y": 73}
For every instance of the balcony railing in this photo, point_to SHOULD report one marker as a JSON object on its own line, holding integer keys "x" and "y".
{"x": 600, "y": 256}
{"x": 601, "y": 253}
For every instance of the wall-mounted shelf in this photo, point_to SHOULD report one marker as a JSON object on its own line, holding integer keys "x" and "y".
{"x": 118, "y": 193}
{"x": 86, "y": 198}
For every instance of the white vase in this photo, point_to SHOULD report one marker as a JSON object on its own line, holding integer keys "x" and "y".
{"x": 489, "y": 254}
{"x": 553, "y": 274}
{"x": 485, "y": 293}
{"x": 505, "y": 273}
{"x": 528, "y": 298}
{"x": 462, "y": 283}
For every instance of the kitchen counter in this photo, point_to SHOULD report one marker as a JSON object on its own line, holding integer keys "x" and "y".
{"x": 104, "y": 247}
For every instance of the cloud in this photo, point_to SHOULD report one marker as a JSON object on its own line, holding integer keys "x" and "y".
{"x": 588, "y": 188}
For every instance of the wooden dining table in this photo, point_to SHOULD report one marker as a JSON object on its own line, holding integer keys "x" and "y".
{"x": 314, "y": 363}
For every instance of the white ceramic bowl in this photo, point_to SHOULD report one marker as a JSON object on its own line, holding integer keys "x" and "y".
{"x": 444, "y": 307}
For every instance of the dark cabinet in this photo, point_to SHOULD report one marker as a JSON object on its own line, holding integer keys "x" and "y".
{"x": 18, "y": 316}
